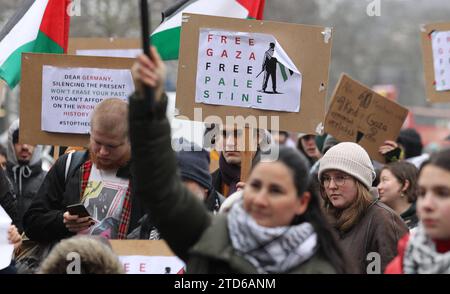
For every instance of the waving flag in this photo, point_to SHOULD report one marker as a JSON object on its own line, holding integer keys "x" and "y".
{"x": 40, "y": 26}
{"x": 167, "y": 36}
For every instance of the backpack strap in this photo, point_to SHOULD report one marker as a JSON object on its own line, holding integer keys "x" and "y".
{"x": 68, "y": 161}
{"x": 73, "y": 162}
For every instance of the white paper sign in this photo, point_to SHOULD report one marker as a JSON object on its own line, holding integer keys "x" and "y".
{"x": 128, "y": 53}
{"x": 246, "y": 70}
{"x": 70, "y": 94}
{"x": 440, "y": 42}
{"x": 6, "y": 249}
{"x": 135, "y": 264}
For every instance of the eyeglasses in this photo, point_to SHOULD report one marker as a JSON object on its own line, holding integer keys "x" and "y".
{"x": 339, "y": 180}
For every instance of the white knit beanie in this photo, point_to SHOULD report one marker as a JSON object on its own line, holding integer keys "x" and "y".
{"x": 351, "y": 159}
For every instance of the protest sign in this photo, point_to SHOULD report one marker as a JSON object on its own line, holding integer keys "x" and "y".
{"x": 106, "y": 47}
{"x": 61, "y": 92}
{"x": 358, "y": 114}
{"x": 249, "y": 68}
{"x": 236, "y": 67}
{"x": 147, "y": 257}
{"x": 6, "y": 248}
{"x": 435, "y": 40}
{"x": 70, "y": 94}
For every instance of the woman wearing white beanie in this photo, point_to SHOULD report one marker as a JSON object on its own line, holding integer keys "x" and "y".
{"x": 368, "y": 230}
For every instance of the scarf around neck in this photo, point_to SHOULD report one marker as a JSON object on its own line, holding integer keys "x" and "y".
{"x": 270, "y": 250}
{"x": 421, "y": 256}
{"x": 231, "y": 174}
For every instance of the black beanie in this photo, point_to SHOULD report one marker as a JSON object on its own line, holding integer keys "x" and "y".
{"x": 329, "y": 142}
{"x": 411, "y": 141}
{"x": 194, "y": 165}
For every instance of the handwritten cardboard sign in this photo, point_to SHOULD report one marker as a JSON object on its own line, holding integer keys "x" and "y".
{"x": 216, "y": 56}
{"x": 435, "y": 40}
{"x": 358, "y": 114}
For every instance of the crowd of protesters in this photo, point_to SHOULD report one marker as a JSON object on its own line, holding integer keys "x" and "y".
{"x": 321, "y": 206}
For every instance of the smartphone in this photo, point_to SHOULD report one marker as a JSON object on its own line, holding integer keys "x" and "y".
{"x": 78, "y": 209}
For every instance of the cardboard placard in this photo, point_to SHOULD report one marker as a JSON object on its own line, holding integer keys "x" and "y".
{"x": 3, "y": 88}
{"x": 147, "y": 257}
{"x": 309, "y": 48}
{"x": 141, "y": 247}
{"x": 358, "y": 114}
{"x": 102, "y": 44}
{"x": 428, "y": 62}
{"x": 31, "y": 94}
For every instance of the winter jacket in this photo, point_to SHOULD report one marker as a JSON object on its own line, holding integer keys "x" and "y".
{"x": 410, "y": 217}
{"x": 25, "y": 178}
{"x": 147, "y": 230}
{"x": 396, "y": 265}
{"x": 378, "y": 231}
{"x": 195, "y": 235}
{"x": 217, "y": 182}
{"x": 44, "y": 219}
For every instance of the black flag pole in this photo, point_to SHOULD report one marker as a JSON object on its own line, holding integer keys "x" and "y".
{"x": 169, "y": 11}
{"x": 145, "y": 23}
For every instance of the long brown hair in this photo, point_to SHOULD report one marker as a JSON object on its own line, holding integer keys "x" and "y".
{"x": 344, "y": 219}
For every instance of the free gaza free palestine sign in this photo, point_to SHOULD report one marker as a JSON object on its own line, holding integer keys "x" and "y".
{"x": 246, "y": 70}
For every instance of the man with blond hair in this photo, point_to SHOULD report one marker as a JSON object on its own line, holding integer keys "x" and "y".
{"x": 95, "y": 256}
{"x": 99, "y": 179}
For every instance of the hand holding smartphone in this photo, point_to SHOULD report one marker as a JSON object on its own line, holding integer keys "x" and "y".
{"x": 78, "y": 209}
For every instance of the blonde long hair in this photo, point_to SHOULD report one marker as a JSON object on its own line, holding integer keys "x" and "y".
{"x": 344, "y": 219}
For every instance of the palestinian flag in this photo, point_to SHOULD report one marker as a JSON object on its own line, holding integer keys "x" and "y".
{"x": 40, "y": 26}
{"x": 167, "y": 36}
{"x": 285, "y": 72}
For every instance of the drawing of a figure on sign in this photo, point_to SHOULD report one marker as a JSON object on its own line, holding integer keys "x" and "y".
{"x": 246, "y": 70}
{"x": 269, "y": 67}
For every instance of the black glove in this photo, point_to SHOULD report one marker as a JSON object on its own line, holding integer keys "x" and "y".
{"x": 393, "y": 155}
{"x": 142, "y": 108}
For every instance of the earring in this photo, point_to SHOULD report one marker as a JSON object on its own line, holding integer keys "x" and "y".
{"x": 402, "y": 195}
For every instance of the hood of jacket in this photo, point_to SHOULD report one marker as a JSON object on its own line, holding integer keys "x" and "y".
{"x": 12, "y": 158}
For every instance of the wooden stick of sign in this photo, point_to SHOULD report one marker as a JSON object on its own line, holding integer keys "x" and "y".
{"x": 2, "y": 90}
{"x": 248, "y": 153}
{"x": 145, "y": 27}
{"x": 56, "y": 152}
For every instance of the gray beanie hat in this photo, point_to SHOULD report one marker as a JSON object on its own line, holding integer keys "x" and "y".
{"x": 351, "y": 159}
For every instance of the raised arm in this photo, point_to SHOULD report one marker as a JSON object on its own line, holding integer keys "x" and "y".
{"x": 178, "y": 215}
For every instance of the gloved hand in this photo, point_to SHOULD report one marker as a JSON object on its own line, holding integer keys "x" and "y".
{"x": 151, "y": 73}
